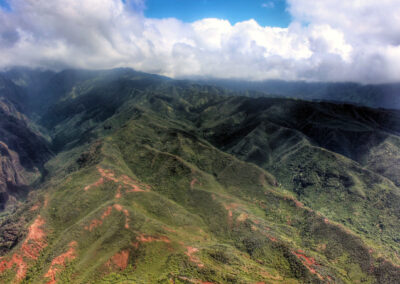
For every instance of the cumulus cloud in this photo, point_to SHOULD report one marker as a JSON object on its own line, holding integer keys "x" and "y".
{"x": 328, "y": 40}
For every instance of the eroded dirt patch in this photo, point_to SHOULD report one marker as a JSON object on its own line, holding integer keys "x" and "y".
{"x": 190, "y": 252}
{"x": 229, "y": 207}
{"x": 98, "y": 222}
{"x": 129, "y": 184}
{"x": 119, "y": 208}
{"x": 30, "y": 249}
{"x": 35, "y": 207}
{"x": 60, "y": 261}
{"x": 309, "y": 262}
{"x": 142, "y": 238}
{"x": 193, "y": 182}
{"x": 118, "y": 194}
{"x": 120, "y": 259}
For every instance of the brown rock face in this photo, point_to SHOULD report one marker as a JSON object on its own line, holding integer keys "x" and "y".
{"x": 23, "y": 150}
{"x": 13, "y": 177}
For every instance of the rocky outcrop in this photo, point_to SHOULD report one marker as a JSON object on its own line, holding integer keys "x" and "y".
{"x": 13, "y": 177}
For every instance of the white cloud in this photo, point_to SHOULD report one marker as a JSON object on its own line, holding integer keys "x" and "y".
{"x": 357, "y": 40}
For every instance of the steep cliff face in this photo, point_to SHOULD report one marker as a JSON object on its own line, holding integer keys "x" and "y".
{"x": 13, "y": 177}
{"x": 23, "y": 150}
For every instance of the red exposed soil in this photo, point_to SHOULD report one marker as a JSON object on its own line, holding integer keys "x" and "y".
{"x": 60, "y": 261}
{"x": 97, "y": 183}
{"x": 126, "y": 213}
{"x": 190, "y": 251}
{"x": 130, "y": 184}
{"x": 46, "y": 201}
{"x": 169, "y": 229}
{"x": 134, "y": 185}
{"x": 107, "y": 174}
{"x": 106, "y": 213}
{"x": 20, "y": 264}
{"x": 118, "y": 194}
{"x": 118, "y": 207}
{"x": 35, "y": 241}
{"x": 148, "y": 239}
{"x": 96, "y": 222}
{"x": 120, "y": 259}
{"x": 193, "y": 182}
{"x": 308, "y": 262}
{"x": 229, "y": 207}
{"x": 242, "y": 217}
{"x": 35, "y": 207}
{"x": 30, "y": 250}
{"x": 296, "y": 202}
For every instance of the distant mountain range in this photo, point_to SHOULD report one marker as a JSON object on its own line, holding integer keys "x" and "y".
{"x": 118, "y": 176}
{"x": 376, "y": 96}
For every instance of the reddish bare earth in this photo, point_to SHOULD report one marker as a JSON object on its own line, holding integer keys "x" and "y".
{"x": 193, "y": 182}
{"x": 129, "y": 184}
{"x": 229, "y": 207}
{"x": 46, "y": 201}
{"x": 118, "y": 194}
{"x": 190, "y": 251}
{"x": 96, "y": 222}
{"x": 119, "y": 208}
{"x": 242, "y": 217}
{"x": 35, "y": 207}
{"x": 142, "y": 238}
{"x": 120, "y": 259}
{"x": 34, "y": 243}
{"x": 169, "y": 229}
{"x": 97, "y": 183}
{"x": 60, "y": 261}
{"x": 148, "y": 239}
{"x": 309, "y": 262}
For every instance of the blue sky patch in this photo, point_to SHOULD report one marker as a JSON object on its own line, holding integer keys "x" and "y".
{"x": 4, "y": 5}
{"x": 266, "y": 13}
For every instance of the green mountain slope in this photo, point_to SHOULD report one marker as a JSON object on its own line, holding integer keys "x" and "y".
{"x": 160, "y": 181}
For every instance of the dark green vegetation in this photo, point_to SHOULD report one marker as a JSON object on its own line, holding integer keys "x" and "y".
{"x": 143, "y": 179}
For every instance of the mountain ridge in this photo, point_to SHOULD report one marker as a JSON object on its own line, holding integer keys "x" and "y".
{"x": 152, "y": 180}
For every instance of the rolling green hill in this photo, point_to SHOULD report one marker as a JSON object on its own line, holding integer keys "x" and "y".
{"x": 145, "y": 179}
